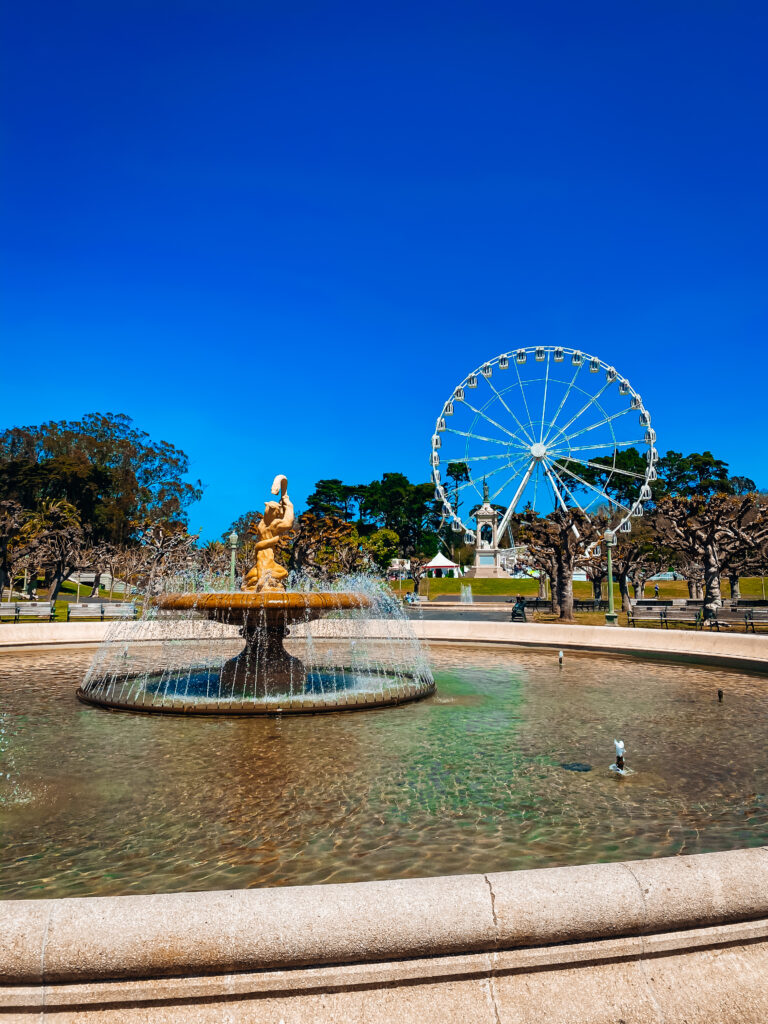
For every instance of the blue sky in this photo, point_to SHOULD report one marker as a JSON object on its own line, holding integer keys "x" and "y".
{"x": 278, "y": 235}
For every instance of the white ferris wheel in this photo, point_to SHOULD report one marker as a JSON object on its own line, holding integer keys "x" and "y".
{"x": 529, "y": 425}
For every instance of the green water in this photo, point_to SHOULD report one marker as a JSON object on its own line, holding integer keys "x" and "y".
{"x": 471, "y": 780}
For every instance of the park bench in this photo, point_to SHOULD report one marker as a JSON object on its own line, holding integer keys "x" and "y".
{"x": 681, "y": 615}
{"x": 9, "y": 611}
{"x": 641, "y": 613}
{"x": 91, "y": 610}
{"x": 595, "y": 605}
{"x": 755, "y": 617}
{"x": 35, "y": 610}
{"x": 727, "y": 618}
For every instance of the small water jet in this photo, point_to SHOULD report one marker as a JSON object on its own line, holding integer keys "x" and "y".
{"x": 619, "y": 766}
{"x": 184, "y": 657}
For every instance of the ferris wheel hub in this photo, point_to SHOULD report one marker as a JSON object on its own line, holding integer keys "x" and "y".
{"x": 538, "y": 451}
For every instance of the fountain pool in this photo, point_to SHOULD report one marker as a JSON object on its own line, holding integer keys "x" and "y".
{"x": 477, "y": 778}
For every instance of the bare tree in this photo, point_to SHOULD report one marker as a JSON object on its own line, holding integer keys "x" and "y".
{"x": 556, "y": 544}
{"x": 718, "y": 532}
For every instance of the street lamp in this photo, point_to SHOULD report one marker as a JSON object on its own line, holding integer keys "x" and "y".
{"x": 233, "y": 546}
{"x": 611, "y": 618}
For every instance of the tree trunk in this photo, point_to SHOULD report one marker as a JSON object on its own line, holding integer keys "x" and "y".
{"x": 58, "y": 575}
{"x": 638, "y": 585}
{"x": 96, "y": 585}
{"x": 733, "y": 580}
{"x": 626, "y": 602}
{"x": 542, "y": 586}
{"x": 597, "y": 588}
{"x": 712, "y": 596}
{"x": 565, "y": 592}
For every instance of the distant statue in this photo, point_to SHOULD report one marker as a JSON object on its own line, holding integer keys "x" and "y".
{"x": 486, "y": 496}
{"x": 277, "y": 521}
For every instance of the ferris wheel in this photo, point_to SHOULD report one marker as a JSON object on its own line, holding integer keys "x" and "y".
{"x": 544, "y": 427}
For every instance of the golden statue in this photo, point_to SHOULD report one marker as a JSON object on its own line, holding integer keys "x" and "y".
{"x": 277, "y": 521}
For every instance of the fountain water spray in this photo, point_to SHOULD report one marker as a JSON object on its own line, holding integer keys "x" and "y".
{"x": 184, "y": 655}
{"x": 619, "y": 766}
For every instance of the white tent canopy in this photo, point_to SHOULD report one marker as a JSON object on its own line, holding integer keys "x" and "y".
{"x": 441, "y": 562}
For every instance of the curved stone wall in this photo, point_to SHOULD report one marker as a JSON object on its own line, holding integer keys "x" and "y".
{"x": 681, "y": 939}
{"x": 648, "y": 938}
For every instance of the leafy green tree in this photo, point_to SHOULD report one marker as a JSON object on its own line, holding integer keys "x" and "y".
{"x": 407, "y": 509}
{"x": 382, "y": 547}
{"x": 58, "y": 541}
{"x": 113, "y": 474}
{"x": 334, "y": 498}
{"x": 609, "y": 473}
{"x": 459, "y": 473}
{"x": 694, "y": 475}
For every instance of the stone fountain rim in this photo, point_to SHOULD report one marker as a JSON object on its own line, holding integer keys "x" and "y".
{"x": 327, "y": 600}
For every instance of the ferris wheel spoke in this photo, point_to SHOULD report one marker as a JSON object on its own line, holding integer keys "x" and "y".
{"x": 586, "y": 483}
{"x": 592, "y": 400}
{"x": 564, "y": 399}
{"x": 481, "y": 458}
{"x": 604, "y": 469}
{"x": 486, "y": 476}
{"x": 555, "y": 488}
{"x": 517, "y": 495}
{"x": 607, "y": 444}
{"x": 517, "y": 421}
{"x": 477, "y": 437}
{"x": 544, "y": 403}
{"x": 536, "y": 476}
{"x": 567, "y": 490}
{"x": 509, "y": 479}
{"x": 599, "y": 423}
{"x": 479, "y": 412}
{"x": 525, "y": 400}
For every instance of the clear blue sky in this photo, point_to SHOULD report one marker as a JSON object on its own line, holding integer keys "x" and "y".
{"x": 277, "y": 235}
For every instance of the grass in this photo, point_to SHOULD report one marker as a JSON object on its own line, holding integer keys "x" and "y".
{"x": 582, "y": 590}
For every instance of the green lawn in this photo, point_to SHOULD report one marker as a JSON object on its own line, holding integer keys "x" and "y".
{"x": 432, "y": 588}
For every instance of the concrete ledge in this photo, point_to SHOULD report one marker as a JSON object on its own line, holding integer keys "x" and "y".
{"x": 557, "y": 935}
{"x": 733, "y": 650}
{"x": 35, "y": 634}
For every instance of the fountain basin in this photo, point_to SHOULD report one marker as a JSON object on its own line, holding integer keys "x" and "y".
{"x": 261, "y": 678}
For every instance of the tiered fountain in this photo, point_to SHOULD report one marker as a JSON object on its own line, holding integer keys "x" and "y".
{"x": 183, "y": 656}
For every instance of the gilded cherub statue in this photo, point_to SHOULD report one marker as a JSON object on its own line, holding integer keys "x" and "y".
{"x": 277, "y": 521}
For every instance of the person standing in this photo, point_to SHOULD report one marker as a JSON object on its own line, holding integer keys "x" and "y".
{"x": 656, "y": 591}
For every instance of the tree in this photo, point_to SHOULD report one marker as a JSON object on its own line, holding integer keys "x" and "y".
{"x": 618, "y": 475}
{"x": 167, "y": 546}
{"x": 718, "y": 532}
{"x": 694, "y": 475}
{"x": 325, "y": 546}
{"x": 409, "y": 510}
{"x": 381, "y": 547}
{"x": 14, "y": 546}
{"x": 334, "y": 498}
{"x": 57, "y": 542}
{"x": 555, "y": 544}
{"x": 112, "y": 473}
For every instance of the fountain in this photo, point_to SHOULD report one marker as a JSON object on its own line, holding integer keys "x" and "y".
{"x": 181, "y": 657}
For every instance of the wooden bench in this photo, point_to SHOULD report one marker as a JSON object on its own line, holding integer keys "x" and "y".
{"x": 9, "y": 611}
{"x": 636, "y": 615}
{"x": 755, "y": 617}
{"x": 595, "y": 605}
{"x": 35, "y": 610}
{"x": 682, "y": 615}
{"x": 92, "y": 610}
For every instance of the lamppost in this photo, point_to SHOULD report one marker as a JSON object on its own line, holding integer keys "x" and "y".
{"x": 611, "y": 618}
{"x": 233, "y": 546}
